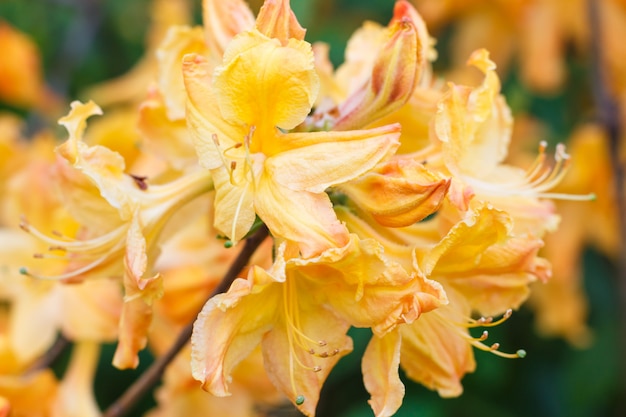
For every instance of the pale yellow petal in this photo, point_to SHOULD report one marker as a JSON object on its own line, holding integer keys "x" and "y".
{"x": 234, "y": 205}
{"x": 380, "y": 374}
{"x": 229, "y": 327}
{"x": 290, "y": 365}
{"x": 316, "y": 167}
{"x": 434, "y": 353}
{"x": 223, "y": 20}
{"x": 302, "y": 217}
{"x": 203, "y": 114}
{"x": 179, "y": 41}
{"x": 76, "y": 396}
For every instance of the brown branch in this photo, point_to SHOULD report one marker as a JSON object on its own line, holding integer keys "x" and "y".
{"x": 609, "y": 115}
{"x": 51, "y": 356}
{"x": 153, "y": 374}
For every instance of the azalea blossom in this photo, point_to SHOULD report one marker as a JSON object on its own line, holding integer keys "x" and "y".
{"x": 238, "y": 119}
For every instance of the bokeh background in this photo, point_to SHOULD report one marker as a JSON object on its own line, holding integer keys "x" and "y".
{"x": 545, "y": 51}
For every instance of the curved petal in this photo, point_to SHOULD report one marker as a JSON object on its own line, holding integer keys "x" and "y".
{"x": 230, "y": 326}
{"x": 340, "y": 158}
{"x": 380, "y": 374}
{"x": 436, "y": 354}
{"x": 366, "y": 289}
{"x": 223, "y": 19}
{"x": 290, "y": 364}
{"x": 203, "y": 114}
{"x": 265, "y": 84}
{"x": 299, "y": 216}
{"x": 179, "y": 41}
{"x": 398, "y": 193}
{"x": 234, "y": 205}
{"x": 277, "y": 20}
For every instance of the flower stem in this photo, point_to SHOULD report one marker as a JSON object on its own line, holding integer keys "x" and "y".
{"x": 123, "y": 405}
{"x": 609, "y": 116}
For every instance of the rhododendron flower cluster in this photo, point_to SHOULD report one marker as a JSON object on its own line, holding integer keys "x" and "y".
{"x": 380, "y": 195}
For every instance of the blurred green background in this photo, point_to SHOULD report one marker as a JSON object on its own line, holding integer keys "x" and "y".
{"x": 83, "y": 42}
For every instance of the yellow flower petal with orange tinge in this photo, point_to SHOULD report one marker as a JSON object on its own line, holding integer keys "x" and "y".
{"x": 435, "y": 352}
{"x": 300, "y": 311}
{"x": 399, "y": 192}
{"x": 380, "y": 374}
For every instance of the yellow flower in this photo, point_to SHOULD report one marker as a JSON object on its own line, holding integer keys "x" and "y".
{"x": 122, "y": 217}
{"x": 481, "y": 267}
{"x": 238, "y": 119}
{"x": 300, "y": 311}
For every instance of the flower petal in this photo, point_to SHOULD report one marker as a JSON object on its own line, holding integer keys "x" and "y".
{"x": 265, "y": 84}
{"x": 337, "y": 157}
{"x": 299, "y": 216}
{"x": 290, "y": 366}
{"x": 380, "y": 374}
{"x": 230, "y": 326}
{"x": 203, "y": 114}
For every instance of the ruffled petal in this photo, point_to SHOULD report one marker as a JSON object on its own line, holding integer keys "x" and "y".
{"x": 230, "y": 326}
{"x": 435, "y": 353}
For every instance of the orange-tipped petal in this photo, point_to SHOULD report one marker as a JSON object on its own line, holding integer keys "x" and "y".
{"x": 393, "y": 78}
{"x": 277, "y": 20}
{"x": 398, "y": 193}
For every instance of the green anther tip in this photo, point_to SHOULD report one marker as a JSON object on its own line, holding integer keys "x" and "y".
{"x": 228, "y": 244}
{"x": 521, "y": 353}
{"x": 300, "y": 400}
{"x": 23, "y": 270}
{"x": 593, "y": 197}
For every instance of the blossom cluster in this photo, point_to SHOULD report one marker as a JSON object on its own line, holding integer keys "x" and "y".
{"x": 382, "y": 193}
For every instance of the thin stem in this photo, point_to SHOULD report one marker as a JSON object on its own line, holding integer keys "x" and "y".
{"x": 51, "y": 356}
{"x": 153, "y": 374}
{"x": 609, "y": 117}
